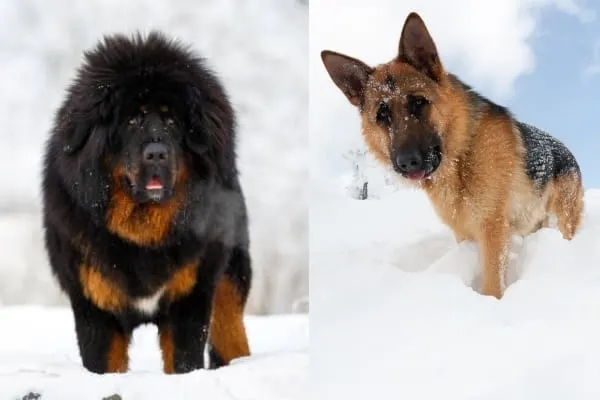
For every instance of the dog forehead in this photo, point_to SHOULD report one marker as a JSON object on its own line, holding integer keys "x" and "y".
{"x": 397, "y": 79}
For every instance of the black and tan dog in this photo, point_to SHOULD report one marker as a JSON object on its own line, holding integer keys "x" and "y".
{"x": 487, "y": 175}
{"x": 145, "y": 219}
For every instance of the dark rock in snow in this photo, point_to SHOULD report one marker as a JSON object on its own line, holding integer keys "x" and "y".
{"x": 32, "y": 396}
{"x": 113, "y": 397}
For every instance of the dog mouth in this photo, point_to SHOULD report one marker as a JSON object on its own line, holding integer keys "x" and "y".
{"x": 151, "y": 189}
{"x": 422, "y": 169}
{"x": 155, "y": 188}
{"x": 417, "y": 176}
{"x": 154, "y": 183}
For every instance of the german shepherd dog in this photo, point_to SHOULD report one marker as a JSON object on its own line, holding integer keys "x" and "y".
{"x": 487, "y": 175}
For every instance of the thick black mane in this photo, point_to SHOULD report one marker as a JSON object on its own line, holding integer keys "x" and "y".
{"x": 138, "y": 69}
{"x": 116, "y": 77}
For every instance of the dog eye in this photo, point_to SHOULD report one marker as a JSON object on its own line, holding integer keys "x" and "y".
{"x": 384, "y": 114}
{"x": 416, "y": 104}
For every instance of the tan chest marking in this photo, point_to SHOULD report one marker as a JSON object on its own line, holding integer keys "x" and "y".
{"x": 109, "y": 296}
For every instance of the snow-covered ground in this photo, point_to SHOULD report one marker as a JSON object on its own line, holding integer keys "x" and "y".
{"x": 396, "y": 312}
{"x": 259, "y": 48}
{"x": 38, "y": 354}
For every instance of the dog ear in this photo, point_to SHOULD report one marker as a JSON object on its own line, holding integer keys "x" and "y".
{"x": 417, "y": 48}
{"x": 76, "y": 136}
{"x": 193, "y": 142}
{"x": 349, "y": 74}
{"x": 210, "y": 127}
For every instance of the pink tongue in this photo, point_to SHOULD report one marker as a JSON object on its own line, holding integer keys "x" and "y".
{"x": 416, "y": 175}
{"x": 154, "y": 184}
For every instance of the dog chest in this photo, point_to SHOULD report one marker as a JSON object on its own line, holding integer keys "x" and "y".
{"x": 454, "y": 208}
{"x": 149, "y": 305}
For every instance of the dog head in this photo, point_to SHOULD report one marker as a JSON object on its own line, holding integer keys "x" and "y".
{"x": 401, "y": 102}
{"x": 150, "y": 160}
{"x": 143, "y": 114}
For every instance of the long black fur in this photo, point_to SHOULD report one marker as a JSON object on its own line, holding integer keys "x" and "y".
{"x": 118, "y": 75}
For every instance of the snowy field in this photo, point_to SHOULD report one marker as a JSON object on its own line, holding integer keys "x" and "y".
{"x": 38, "y": 355}
{"x": 259, "y": 49}
{"x": 396, "y": 312}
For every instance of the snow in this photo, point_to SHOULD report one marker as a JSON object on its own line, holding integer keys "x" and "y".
{"x": 405, "y": 319}
{"x": 258, "y": 48}
{"x": 38, "y": 353}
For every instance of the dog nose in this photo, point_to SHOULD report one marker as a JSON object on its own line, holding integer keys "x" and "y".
{"x": 408, "y": 161}
{"x": 155, "y": 153}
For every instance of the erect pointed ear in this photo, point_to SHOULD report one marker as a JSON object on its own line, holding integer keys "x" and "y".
{"x": 418, "y": 49}
{"x": 349, "y": 74}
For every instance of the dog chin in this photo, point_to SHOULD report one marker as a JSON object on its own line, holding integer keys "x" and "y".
{"x": 155, "y": 195}
{"x": 149, "y": 195}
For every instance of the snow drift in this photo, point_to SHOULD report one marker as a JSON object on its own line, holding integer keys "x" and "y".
{"x": 258, "y": 48}
{"x": 406, "y": 321}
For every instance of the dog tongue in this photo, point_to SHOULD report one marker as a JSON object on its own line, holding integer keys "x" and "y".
{"x": 154, "y": 184}
{"x": 416, "y": 175}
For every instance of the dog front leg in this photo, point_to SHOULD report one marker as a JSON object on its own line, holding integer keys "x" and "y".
{"x": 103, "y": 342}
{"x": 494, "y": 245}
{"x": 184, "y": 330}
